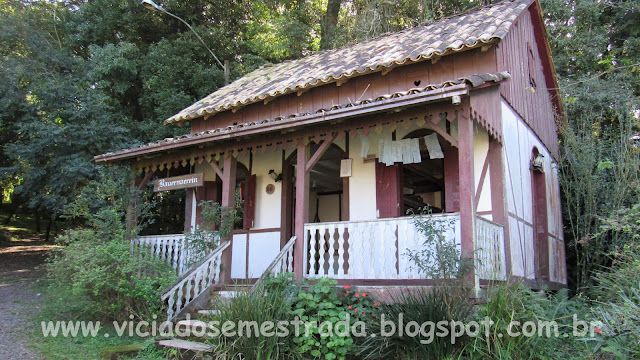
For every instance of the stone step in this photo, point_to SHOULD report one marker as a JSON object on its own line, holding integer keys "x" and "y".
{"x": 185, "y": 345}
{"x": 192, "y": 323}
{"x": 208, "y": 312}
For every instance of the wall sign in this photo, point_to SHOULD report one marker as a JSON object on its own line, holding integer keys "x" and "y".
{"x": 179, "y": 182}
{"x": 345, "y": 167}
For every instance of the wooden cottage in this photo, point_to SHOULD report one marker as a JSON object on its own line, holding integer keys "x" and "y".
{"x": 330, "y": 152}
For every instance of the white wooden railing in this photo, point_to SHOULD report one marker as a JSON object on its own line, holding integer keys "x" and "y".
{"x": 169, "y": 248}
{"x": 490, "y": 250}
{"x": 376, "y": 249}
{"x": 194, "y": 282}
{"x": 283, "y": 263}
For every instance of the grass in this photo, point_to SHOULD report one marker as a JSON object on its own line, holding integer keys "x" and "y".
{"x": 59, "y": 305}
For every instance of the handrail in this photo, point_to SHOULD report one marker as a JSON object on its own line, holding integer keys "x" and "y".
{"x": 194, "y": 282}
{"x": 478, "y": 217}
{"x": 277, "y": 261}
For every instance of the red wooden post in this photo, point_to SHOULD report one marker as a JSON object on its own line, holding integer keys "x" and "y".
{"x": 228, "y": 201}
{"x": 467, "y": 190}
{"x": 498, "y": 197}
{"x": 302, "y": 207}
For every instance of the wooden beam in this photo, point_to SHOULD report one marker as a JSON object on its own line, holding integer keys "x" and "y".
{"x": 228, "y": 201}
{"x": 328, "y": 140}
{"x": 467, "y": 195}
{"x": 498, "y": 196}
{"x": 302, "y": 208}
{"x": 215, "y": 168}
{"x": 483, "y": 176}
{"x": 441, "y": 132}
{"x": 145, "y": 180}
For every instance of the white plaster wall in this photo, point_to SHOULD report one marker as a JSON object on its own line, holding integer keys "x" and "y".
{"x": 519, "y": 141}
{"x": 263, "y": 249}
{"x": 480, "y": 151}
{"x": 362, "y": 184}
{"x": 267, "y": 206}
{"x": 239, "y": 256}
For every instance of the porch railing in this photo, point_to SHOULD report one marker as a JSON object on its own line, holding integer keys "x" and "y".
{"x": 169, "y": 248}
{"x": 283, "y": 263}
{"x": 490, "y": 250}
{"x": 194, "y": 282}
{"x": 376, "y": 249}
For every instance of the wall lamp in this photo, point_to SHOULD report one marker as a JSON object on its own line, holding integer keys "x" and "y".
{"x": 275, "y": 176}
{"x": 537, "y": 163}
{"x": 149, "y": 4}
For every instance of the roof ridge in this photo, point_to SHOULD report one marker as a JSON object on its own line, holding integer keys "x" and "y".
{"x": 460, "y": 32}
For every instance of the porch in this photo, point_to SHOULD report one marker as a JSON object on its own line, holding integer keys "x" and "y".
{"x": 374, "y": 252}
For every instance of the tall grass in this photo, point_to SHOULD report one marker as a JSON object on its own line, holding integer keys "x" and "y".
{"x": 259, "y": 307}
{"x": 421, "y": 305}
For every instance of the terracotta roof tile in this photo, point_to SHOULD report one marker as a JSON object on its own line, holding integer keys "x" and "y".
{"x": 473, "y": 81}
{"x": 458, "y": 33}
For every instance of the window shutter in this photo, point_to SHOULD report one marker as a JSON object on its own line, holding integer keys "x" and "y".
{"x": 249, "y": 202}
{"x": 388, "y": 190}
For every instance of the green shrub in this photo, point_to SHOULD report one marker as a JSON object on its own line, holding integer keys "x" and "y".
{"x": 97, "y": 263}
{"x": 618, "y": 307}
{"x": 319, "y": 305}
{"x": 510, "y": 306}
{"x": 267, "y": 305}
{"x": 422, "y": 305}
{"x": 217, "y": 223}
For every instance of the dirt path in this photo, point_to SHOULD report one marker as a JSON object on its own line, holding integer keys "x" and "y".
{"x": 20, "y": 261}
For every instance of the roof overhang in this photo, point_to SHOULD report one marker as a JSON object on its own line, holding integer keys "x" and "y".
{"x": 292, "y": 124}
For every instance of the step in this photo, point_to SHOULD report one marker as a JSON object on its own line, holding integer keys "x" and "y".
{"x": 228, "y": 294}
{"x": 185, "y": 345}
{"x": 208, "y": 312}
{"x": 192, "y": 323}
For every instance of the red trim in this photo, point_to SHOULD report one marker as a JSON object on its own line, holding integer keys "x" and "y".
{"x": 229, "y": 201}
{"x": 520, "y": 219}
{"x": 483, "y": 175}
{"x": 215, "y": 168}
{"x": 302, "y": 206}
{"x": 255, "y": 231}
{"x": 541, "y": 225}
{"x": 321, "y": 150}
{"x": 467, "y": 188}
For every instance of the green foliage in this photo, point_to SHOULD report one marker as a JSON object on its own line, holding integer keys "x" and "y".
{"x": 217, "y": 223}
{"x": 595, "y": 45}
{"x": 510, "y": 306}
{"x": 421, "y": 305}
{"x": 271, "y": 304}
{"x": 617, "y": 293}
{"x": 98, "y": 264}
{"x": 318, "y": 304}
{"x": 439, "y": 257}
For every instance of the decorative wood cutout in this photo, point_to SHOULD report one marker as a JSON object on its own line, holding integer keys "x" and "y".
{"x": 270, "y": 189}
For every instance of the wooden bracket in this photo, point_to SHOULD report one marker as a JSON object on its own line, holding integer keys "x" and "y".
{"x": 215, "y": 168}
{"x": 441, "y": 132}
{"x": 321, "y": 150}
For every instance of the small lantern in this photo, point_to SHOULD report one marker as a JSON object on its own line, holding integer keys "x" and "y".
{"x": 275, "y": 176}
{"x": 537, "y": 162}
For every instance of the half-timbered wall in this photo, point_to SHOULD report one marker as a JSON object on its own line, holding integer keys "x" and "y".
{"x": 519, "y": 142}
{"x": 527, "y": 91}
{"x": 363, "y": 87}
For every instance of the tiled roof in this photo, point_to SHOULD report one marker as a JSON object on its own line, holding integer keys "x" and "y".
{"x": 291, "y": 120}
{"x": 458, "y": 33}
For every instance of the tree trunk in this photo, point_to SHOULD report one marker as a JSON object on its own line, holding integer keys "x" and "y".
{"x": 48, "y": 232}
{"x": 329, "y": 24}
{"x": 36, "y": 215}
